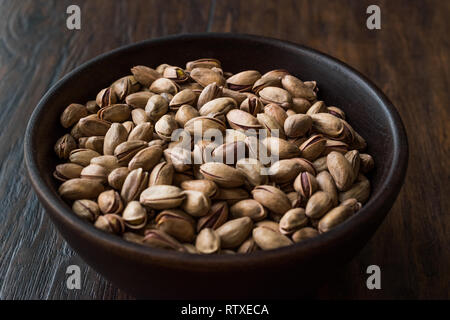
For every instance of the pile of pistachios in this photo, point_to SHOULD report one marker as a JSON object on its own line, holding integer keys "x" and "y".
{"x": 204, "y": 161}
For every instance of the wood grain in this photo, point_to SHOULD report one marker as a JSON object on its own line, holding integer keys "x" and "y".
{"x": 408, "y": 58}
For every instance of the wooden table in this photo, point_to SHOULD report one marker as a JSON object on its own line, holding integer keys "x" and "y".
{"x": 408, "y": 58}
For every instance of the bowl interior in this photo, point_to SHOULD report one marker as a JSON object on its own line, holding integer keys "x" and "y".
{"x": 367, "y": 109}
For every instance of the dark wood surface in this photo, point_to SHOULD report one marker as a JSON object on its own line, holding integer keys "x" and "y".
{"x": 408, "y": 58}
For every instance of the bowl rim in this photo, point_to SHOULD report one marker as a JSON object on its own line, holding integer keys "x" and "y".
{"x": 369, "y": 213}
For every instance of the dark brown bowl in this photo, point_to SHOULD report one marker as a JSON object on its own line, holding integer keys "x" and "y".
{"x": 286, "y": 272}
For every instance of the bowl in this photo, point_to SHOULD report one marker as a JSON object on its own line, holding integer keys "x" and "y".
{"x": 286, "y": 272}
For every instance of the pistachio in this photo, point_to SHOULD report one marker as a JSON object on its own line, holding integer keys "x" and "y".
{"x": 139, "y": 116}
{"x": 127, "y": 150}
{"x": 217, "y": 216}
{"x": 92, "y": 107}
{"x": 297, "y": 88}
{"x": 185, "y": 113}
{"x": 175, "y": 74}
{"x": 275, "y": 74}
{"x": 284, "y": 171}
{"x": 297, "y": 125}
{"x": 241, "y": 120}
{"x": 177, "y": 224}
{"x": 110, "y": 202}
{"x": 64, "y": 146}
{"x": 353, "y": 204}
{"x": 272, "y": 225}
{"x": 327, "y": 124}
{"x": 334, "y": 217}
{"x": 135, "y": 182}
{"x": 296, "y": 199}
{"x": 304, "y": 234}
{"x": 196, "y": 203}
{"x": 106, "y": 97}
{"x": 78, "y": 189}
{"x": 276, "y": 112}
{"x": 133, "y": 237}
{"x": 248, "y": 246}
{"x": 146, "y": 158}
{"x": 300, "y": 105}
{"x": 163, "y": 85}
{"x": 326, "y": 184}
{"x": 239, "y": 97}
{"x": 271, "y": 125}
{"x": 110, "y": 223}
{"x": 225, "y": 176}
{"x": 209, "y": 188}
{"x": 90, "y": 126}
{"x": 293, "y": 220}
{"x": 129, "y": 126}
{"x": 203, "y": 63}
{"x": 360, "y": 190}
{"x": 180, "y": 158}
{"x": 116, "y": 135}
{"x": 252, "y": 105}
{"x": 115, "y": 113}
{"x": 264, "y": 83}
{"x": 156, "y": 107}
{"x": 253, "y": 171}
{"x": 268, "y": 239}
{"x": 125, "y": 86}
{"x": 190, "y": 248}
{"x": 162, "y": 174}
{"x": 248, "y": 208}
{"x": 139, "y": 99}
{"x": 82, "y": 156}
{"x": 72, "y": 114}
{"x": 67, "y": 171}
{"x": 280, "y": 148}
{"x": 319, "y": 204}
{"x": 211, "y": 92}
{"x": 354, "y": 160}
{"x": 336, "y": 112}
{"x": 117, "y": 177}
{"x": 231, "y": 196}
{"x": 201, "y": 125}
{"x": 95, "y": 172}
{"x": 243, "y": 81}
{"x": 276, "y": 95}
{"x": 334, "y": 145}
{"x": 305, "y": 184}
{"x": 186, "y": 96}
{"x": 86, "y": 209}
{"x": 366, "y": 163}
{"x": 145, "y": 75}
{"x": 218, "y": 105}
{"x": 312, "y": 148}
{"x": 341, "y": 170}
{"x": 143, "y": 132}
{"x": 159, "y": 239}
{"x": 208, "y": 241}
{"x": 161, "y": 197}
{"x": 94, "y": 143}
{"x": 320, "y": 164}
{"x": 234, "y": 232}
{"x": 272, "y": 198}
{"x": 205, "y": 76}
{"x": 318, "y": 107}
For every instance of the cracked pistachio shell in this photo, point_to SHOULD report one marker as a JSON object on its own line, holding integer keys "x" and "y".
{"x": 276, "y": 112}
{"x": 312, "y": 148}
{"x": 186, "y": 96}
{"x": 284, "y": 171}
{"x": 115, "y": 113}
{"x": 281, "y": 148}
{"x": 341, "y": 170}
{"x": 129, "y": 126}
{"x": 297, "y": 88}
{"x": 230, "y": 153}
{"x": 185, "y": 113}
{"x": 177, "y": 224}
{"x": 110, "y": 202}
{"x": 138, "y": 99}
{"x": 223, "y": 175}
{"x": 276, "y": 95}
{"x": 217, "y": 216}
{"x": 72, "y": 114}
{"x": 203, "y": 63}
{"x": 253, "y": 170}
{"x": 145, "y": 75}
{"x": 143, "y": 132}
{"x": 326, "y": 184}
{"x": 241, "y": 120}
{"x": 86, "y": 209}
{"x": 271, "y": 125}
{"x": 95, "y": 172}
{"x": 161, "y": 197}
{"x": 146, "y": 158}
{"x": 110, "y": 223}
{"x": 305, "y": 184}
{"x": 360, "y": 190}
{"x": 272, "y": 198}
{"x": 207, "y": 241}
{"x": 218, "y": 105}
{"x": 208, "y": 187}
{"x": 239, "y": 97}
{"x": 268, "y": 239}
{"x": 159, "y": 239}
{"x": 117, "y": 177}
{"x": 234, "y": 232}
{"x": 135, "y": 182}
{"x": 334, "y": 217}
{"x": 293, "y": 220}
{"x": 304, "y": 234}
{"x": 82, "y": 156}
{"x": 78, "y": 189}
{"x": 162, "y": 174}
{"x": 205, "y": 76}
{"x": 92, "y": 126}
{"x": 106, "y": 97}
{"x": 317, "y": 108}
{"x": 297, "y": 125}
{"x": 175, "y": 74}
{"x": 67, "y": 171}
{"x": 211, "y": 92}
{"x": 252, "y": 105}
{"x": 156, "y": 107}
{"x": 201, "y": 125}
{"x": 64, "y": 146}
{"x": 366, "y": 163}
{"x": 125, "y": 86}
{"x": 243, "y": 81}
{"x": 196, "y": 203}
{"x": 319, "y": 204}
{"x": 296, "y": 199}
{"x": 164, "y": 85}
{"x": 116, "y": 135}
{"x": 127, "y": 150}
{"x": 248, "y": 208}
